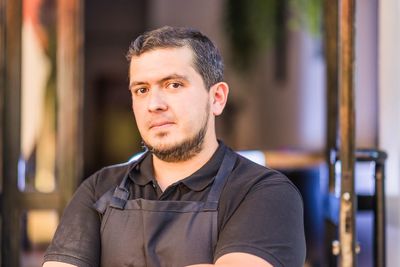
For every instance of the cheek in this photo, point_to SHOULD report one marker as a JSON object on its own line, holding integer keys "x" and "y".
{"x": 139, "y": 118}
{"x": 197, "y": 112}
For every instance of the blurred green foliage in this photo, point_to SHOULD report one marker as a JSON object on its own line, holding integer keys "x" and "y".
{"x": 255, "y": 25}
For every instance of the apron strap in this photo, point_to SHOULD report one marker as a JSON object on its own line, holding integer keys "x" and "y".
{"x": 120, "y": 196}
{"x": 117, "y": 197}
{"x": 102, "y": 203}
{"x": 121, "y": 192}
{"x": 220, "y": 180}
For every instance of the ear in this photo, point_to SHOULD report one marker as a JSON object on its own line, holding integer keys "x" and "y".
{"x": 218, "y": 97}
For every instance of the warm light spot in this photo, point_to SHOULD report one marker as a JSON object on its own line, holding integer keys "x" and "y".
{"x": 41, "y": 225}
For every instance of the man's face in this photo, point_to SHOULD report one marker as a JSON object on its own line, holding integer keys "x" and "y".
{"x": 170, "y": 103}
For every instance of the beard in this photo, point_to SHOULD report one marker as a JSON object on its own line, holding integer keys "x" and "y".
{"x": 185, "y": 149}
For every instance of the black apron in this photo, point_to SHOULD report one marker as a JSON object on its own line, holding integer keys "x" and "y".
{"x": 154, "y": 233}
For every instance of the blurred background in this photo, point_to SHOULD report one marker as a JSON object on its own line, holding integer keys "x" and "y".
{"x": 66, "y": 112}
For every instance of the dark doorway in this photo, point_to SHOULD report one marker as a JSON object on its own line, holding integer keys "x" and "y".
{"x": 110, "y": 134}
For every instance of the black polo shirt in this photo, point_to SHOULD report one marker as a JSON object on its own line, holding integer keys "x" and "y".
{"x": 260, "y": 211}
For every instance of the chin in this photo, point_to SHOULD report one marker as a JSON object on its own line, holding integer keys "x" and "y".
{"x": 162, "y": 142}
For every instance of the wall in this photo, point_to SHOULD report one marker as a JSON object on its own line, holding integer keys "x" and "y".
{"x": 366, "y": 74}
{"x": 389, "y": 118}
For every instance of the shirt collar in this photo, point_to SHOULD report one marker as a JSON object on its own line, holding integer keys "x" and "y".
{"x": 143, "y": 173}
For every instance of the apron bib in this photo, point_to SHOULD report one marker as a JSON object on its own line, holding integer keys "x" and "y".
{"x": 152, "y": 233}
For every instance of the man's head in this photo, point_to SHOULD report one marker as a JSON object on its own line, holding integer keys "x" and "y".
{"x": 176, "y": 92}
{"x": 207, "y": 59}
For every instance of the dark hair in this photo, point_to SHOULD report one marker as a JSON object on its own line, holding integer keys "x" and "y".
{"x": 207, "y": 59}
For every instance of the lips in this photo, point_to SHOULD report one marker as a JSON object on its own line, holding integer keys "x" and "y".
{"x": 160, "y": 124}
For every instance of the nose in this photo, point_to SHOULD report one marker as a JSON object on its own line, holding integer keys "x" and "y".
{"x": 157, "y": 101}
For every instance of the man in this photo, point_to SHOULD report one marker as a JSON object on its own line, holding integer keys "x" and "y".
{"x": 189, "y": 200}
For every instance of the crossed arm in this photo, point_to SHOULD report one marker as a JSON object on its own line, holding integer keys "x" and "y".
{"x": 237, "y": 260}
{"x": 227, "y": 260}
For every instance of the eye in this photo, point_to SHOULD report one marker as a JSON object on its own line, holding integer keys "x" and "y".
{"x": 174, "y": 85}
{"x": 141, "y": 91}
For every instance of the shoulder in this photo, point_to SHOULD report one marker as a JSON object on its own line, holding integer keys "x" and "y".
{"x": 251, "y": 185}
{"x": 261, "y": 213}
{"x": 106, "y": 178}
{"x": 250, "y": 176}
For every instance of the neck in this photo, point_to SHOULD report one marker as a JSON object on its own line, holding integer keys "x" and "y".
{"x": 168, "y": 173}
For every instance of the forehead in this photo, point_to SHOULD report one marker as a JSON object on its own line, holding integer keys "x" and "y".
{"x": 161, "y": 60}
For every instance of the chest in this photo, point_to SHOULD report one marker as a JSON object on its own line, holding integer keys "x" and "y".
{"x": 159, "y": 233}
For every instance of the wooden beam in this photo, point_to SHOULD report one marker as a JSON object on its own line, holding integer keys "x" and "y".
{"x": 11, "y": 133}
{"x": 348, "y": 203}
{"x": 69, "y": 93}
{"x": 331, "y": 56}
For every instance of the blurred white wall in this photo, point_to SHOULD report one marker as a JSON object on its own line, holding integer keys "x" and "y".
{"x": 366, "y": 73}
{"x": 389, "y": 118}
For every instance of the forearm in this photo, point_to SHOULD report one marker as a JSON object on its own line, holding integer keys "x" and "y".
{"x": 57, "y": 264}
{"x": 236, "y": 260}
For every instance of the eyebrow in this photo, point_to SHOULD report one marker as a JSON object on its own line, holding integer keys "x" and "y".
{"x": 169, "y": 77}
{"x": 132, "y": 84}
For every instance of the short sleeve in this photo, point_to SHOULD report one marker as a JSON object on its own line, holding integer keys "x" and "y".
{"x": 268, "y": 223}
{"x": 77, "y": 238}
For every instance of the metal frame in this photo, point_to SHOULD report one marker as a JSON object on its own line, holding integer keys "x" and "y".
{"x": 348, "y": 204}
{"x": 339, "y": 49}
{"x": 374, "y": 203}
